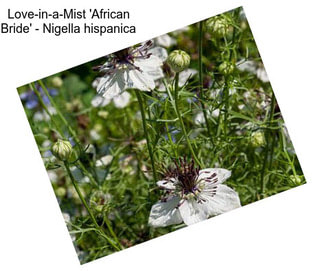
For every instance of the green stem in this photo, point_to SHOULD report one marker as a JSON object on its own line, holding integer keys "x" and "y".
{"x": 87, "y": 173}
{"x": 107, "y": 222}
{"x": 268, "y": 133}
{"x": 87, "y": 206}
{"x": 168, "y": 132}
{"x": 59, "y": 113}
{"x": 144, "y": 124}
{"x": 200, "y": 70}
{"x": 70, "y": 129}
{"x": 32, "y": 86}
{"x": 182, "y": 123}
{"x": 226, "y": 108}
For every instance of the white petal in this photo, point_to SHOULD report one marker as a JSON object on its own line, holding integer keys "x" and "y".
{"x": 225, "y": 199}
{"x": 169, "y": 184}
{"x": 99, "y": 101}
{"x": 215, "y": 113}
{"x": 151, "y": 67}
{"x": 248, "y": 66}
{"x": 199, "y": 118}
{"x": 165, "y": 40}
{"x": 192, "y": 212}
{"x": 110, "y": 86}
{"x": 104, "y": 161}
{"x": 159, "y": 52}
{"x": 122, "y": 100}
{"x": 139, "y": 80}
{"x": 96, "y": 82}
{"x": 221, "y": 174}
{"x": 185, "y": 75}
{"x": 262, "y": 75}
{"x": 163, "y": 214}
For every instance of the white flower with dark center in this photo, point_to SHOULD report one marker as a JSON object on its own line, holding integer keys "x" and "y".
{"x": 192, "y": 195}
{"x": 134, "y": 67}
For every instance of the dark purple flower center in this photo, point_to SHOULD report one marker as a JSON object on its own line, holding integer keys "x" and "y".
{"x": 186, "y": 173}
{"x": 125, "y": 57}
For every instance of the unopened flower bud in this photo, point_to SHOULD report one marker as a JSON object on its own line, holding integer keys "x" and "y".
{"x": 295, "y": 180}
{"x": 178, "y": 60}
{"x": 57, "y": 81}
{"x": 226, "y": 67}
{"x": 258, "y": 139}
{"x": 62, "y": 149}
{"x": 217, "y": 25}
{"x": 61, "y": 192}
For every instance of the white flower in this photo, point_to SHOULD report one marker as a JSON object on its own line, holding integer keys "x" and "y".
{"x": 193, "y": 195}
{"x": 120, "y": 101}
{"x": 134, "y": 67}
{"x": 165, "y": 40}
{"x": 95, "y": 135}
{"x": 183, "y": 76}
{"x": 43, "y": 116}
{"x": 199, "y": 117}
{"x": 255, "y": 68}
{"x": 104, "y": 161}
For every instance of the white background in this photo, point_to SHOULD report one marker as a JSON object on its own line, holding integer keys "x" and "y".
{"x": 283, "y": 232}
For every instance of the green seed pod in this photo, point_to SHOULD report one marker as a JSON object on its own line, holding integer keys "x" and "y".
{"x": 62, "y": 149}
{"x": 178, "y": 60}
{"x": 258, "y": 139}
{"x": 226, "y": 67}
{"x": 217, "y": 25}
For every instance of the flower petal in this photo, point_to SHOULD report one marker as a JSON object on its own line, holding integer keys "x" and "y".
{"x": 99, "y": 101}
{"x": 110, "y": 86}
{"x": 151, "y": 67}
{"x": 122, "y": 100}
{"x": 212, "y": 174}
{"x": 165, "y": 40}
{"x": 192, "y": 212}
{"x": 168, "y": 184}
{"x": 224, "y": 200}
{"x": 183, "y": 76}
{"x": 159, "y": 52}
{"x": 163, "y": 214}
{"x": 139, "y": 80}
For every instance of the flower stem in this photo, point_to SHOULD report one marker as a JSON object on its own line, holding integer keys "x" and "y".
{"x": 70, "y": 129}
{"x": 87, "y": 207}
{"x": 32, "y": 86}
{"x": 268, "y": 132}
{"x": 59, "y": 113}
{"x": 182, "y": 123}
{"x": 107, "y": 222}
{"x": 144, "y": 124}
{"x": 200, "y": 70}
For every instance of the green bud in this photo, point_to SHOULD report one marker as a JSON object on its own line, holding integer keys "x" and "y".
{"x": 60, "y": 192}
{"x": 178, "y": 60}
{"x": 295, "y": 180}
{"x": 57, "y": 82}
{"x": 62, "y": 149}
{"x": 99, "y": 201}
{"x": 258, "y": 139}
{"x": 217, "y": 25}
{"x": 226, "y": 67}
